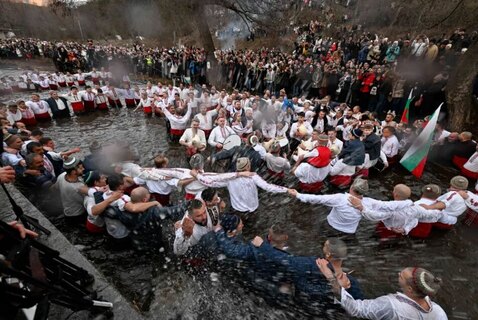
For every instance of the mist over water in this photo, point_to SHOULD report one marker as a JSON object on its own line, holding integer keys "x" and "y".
{"x": 163, "y": 287}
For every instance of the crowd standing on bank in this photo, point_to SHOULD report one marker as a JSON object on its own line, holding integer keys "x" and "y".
{"x": 259, "y": 135}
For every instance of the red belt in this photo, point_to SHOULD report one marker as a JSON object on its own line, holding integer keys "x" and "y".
{"x": 421, "y": 231}
{"x": 78, "y": 106}
{"x": 276, "y": 174}
{"x": 442, "y": 226}
{"x": 29, "y": 121}
{"x": 311, "y": 187}
{"x": 469, "y": 174}
{"x": 176, "y": 132}
{"x": 189, "y": 196}
{"x": 102, "y": 106}
{"x": 89, "y": 105}
{"x": 341, "y": 181}
{"x": 42, "y": 116}
{"x": 147, "y": 110}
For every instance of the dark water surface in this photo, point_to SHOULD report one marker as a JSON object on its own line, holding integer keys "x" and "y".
{"x": 162, "y": 287}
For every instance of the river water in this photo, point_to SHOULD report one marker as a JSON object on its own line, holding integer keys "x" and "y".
{"x": 163, "y": 287}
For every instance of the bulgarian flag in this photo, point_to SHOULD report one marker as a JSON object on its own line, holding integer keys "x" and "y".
{"x": 406, "y": 112}
{"x": 416, "y": 156}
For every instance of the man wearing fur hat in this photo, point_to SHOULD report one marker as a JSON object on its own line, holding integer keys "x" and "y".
{"x": 451, "y": 203}
{"x": 277, "y": 165}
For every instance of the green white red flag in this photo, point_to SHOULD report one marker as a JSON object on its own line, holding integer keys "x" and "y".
{"x": 406, "y": 113}
{"x": 416, "y": 156}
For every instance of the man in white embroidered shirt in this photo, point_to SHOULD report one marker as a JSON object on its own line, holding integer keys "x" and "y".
{"x": 242, "y": 187}
{"x": 343, "y": 216}
{"x": 194, "y": 225}
{"x": 403, "y": 220}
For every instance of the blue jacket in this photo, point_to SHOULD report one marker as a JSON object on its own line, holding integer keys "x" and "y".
{"x": 307, "y": 277}
{"x": 353, "y": 153}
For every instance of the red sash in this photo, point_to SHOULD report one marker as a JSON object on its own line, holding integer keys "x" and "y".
{"x": 207, "y": 132}
{"x": 341, "y": 181}
{"x": 89, "y": 105}
{"x": 45, "y": 88}
{"x": 469, "y": 174}
{"x": 42, "y": 116}
{"x": 29, "y": 121}
{"x": 70, "y": 84}
{"x": 459, "y": 162}
{"x": 148, "y": 110}
{"x": 62, "y": 84}
{"x": 53, "y": 86}
{"x": 311, "y": 187}
{"x": 189, "y": 196}
{"x": 421, "y": 231}
{"x": 176, "y": 132}
{"x": 78, "y": 106}
{"x": 362, "y": 172}
{"x": 386, "y": 234}
{"x": 81, "y": 82}
{"x": 95, "y": 80}
{"x": 102, "y": 106}
{"x": 442, "y": 226}
{"x": 91, "y": 228}
{"x": 130, "y": 102}
{"x": 274, "y": 174}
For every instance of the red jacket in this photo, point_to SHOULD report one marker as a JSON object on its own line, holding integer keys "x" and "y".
{"x": 367, "y": 80}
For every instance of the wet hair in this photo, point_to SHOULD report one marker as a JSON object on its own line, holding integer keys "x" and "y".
{"x": 115, "y": 181}
{"x": 30, "y": 158}
{"x": 91, "y": 177}
{"x": 9, "y": 139}
{"x": 36, "y": 132}
{"x": 32, "y": 145}
{"x": 197, "y": 161}
{"x": 424, "y": 283}
{"x": 389, "y": 128}
{"x": 45, "y": 140}
{"x": 230, "y": 222}
{"x": 195, "y": 204}
{"x": 278, "y": 233}
{"x": 138, "y": 194}
{"x": 160, "y": 161}
{"x": 208, "y": 194}
{"x": 337, "y": 248}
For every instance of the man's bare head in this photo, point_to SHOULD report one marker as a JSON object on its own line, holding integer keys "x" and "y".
{"x": 401, "y": 192}
{"x": 140, "y": 194}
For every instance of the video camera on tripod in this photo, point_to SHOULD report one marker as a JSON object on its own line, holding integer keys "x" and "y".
{"x": 33, "y": 274}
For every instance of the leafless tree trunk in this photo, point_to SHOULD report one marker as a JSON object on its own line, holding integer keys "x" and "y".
{"x": 463, "y": 113}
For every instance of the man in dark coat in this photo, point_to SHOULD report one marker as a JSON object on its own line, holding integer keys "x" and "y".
{"x": 58, "y": 105}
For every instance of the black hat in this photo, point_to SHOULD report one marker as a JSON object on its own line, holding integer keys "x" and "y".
{"x": 357, "y": 133}
{"x": 229, "y": 222}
